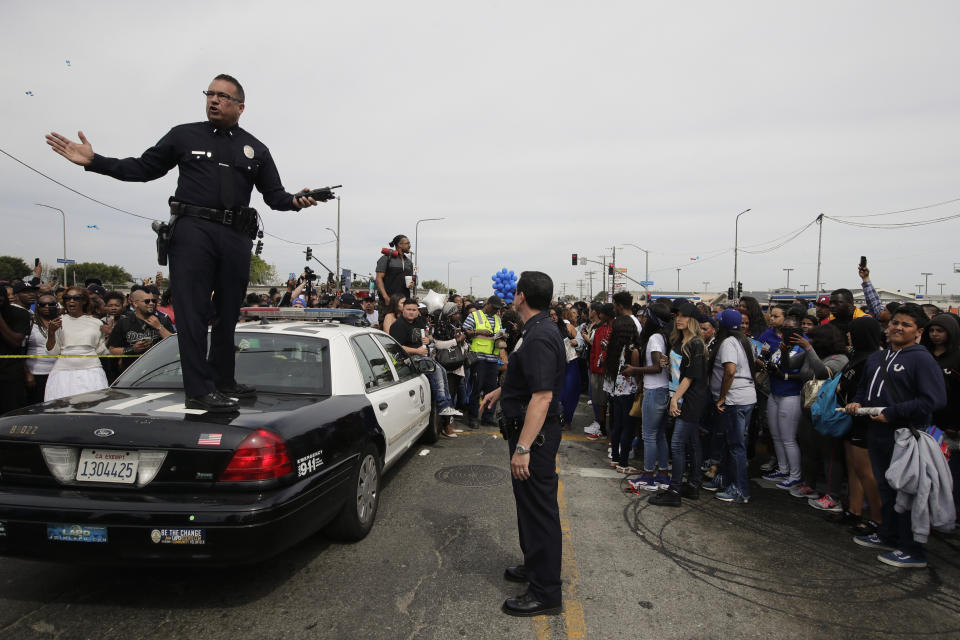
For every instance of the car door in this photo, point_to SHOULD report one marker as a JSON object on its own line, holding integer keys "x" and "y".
{"x": 414, "y": 384}
{"x": 390, "y": 401}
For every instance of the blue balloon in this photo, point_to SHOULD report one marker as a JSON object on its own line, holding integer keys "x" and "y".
{"x": 511, "y": 273}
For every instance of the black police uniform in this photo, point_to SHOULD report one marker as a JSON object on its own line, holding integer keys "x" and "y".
{"x": 538, "y": 364}
{"x": 210, "y": 247}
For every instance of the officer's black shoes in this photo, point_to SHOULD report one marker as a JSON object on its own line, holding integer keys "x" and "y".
{"x": 472, "y": 423}
{"x": 665, "y": 498}
{"x": 690, "y": 490}
{"x": 235, "y": 390}
{"x": 214, "y": 402}
{"x": 516, "y": 574}
{"x": 527, "y": 605}
{"x": 488, "y": 422}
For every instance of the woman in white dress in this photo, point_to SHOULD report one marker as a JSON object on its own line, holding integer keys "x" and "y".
{"x": 74, "y": 334}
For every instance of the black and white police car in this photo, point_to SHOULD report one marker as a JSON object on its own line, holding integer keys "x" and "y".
{"x": 129, "y": 474}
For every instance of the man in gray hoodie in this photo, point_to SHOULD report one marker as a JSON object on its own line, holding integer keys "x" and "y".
{"x": 906, "y": 380}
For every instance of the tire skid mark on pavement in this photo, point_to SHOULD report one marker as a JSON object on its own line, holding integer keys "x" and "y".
{"x": 710, "y": 571}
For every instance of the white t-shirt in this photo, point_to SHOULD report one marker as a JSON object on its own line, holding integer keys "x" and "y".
{"x": 742, "y": 391}
{"x": 655, "y": 380}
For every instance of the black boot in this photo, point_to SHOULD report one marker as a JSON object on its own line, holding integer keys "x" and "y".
{"x": 690, "y": 490}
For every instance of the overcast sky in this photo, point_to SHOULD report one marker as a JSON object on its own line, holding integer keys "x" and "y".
{"x": 537, "y": 129}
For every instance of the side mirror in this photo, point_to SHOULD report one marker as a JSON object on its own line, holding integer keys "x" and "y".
{"x": 425, "y": 365}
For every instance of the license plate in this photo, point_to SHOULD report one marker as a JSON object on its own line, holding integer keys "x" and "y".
{"x": 108, "y": 465}
{"x": 76, "y": 533}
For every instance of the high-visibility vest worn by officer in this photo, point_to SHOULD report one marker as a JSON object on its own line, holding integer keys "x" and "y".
{"x": 482, "y": 344}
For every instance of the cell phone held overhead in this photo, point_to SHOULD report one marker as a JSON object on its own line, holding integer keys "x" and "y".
{"x": 863, "y": 262}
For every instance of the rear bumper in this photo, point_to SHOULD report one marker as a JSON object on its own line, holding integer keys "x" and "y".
{"x": 237, "y": 528}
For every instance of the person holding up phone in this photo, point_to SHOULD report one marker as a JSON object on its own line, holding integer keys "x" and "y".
{"x": 134, "y": 333}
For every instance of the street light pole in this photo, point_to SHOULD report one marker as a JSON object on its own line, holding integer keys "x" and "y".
{"x": 926, "y": 283}
{"x": 449, "y": 287}
{"x": 678, "y": 279}
{"x": 819, "y": 251}
{"x": 646, "y": 268}
{"x": 803, "y": 288}
{"x": 941, "y": 287}
{"x": 736, "y": 237}
{"x": 471, "y": 284}
{"x": 337, "y": 236}
{"x": 706, "y": 286}
{"x": 64, "y": 216}
{"x": 788, "y": 276}
{"x": 416, "y": 251}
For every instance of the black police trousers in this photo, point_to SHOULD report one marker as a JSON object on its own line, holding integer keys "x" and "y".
{"x": 207, "y": 258}
{"x": 538, "y": 516}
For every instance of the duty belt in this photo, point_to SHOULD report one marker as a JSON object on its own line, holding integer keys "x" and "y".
{"x": 243, "y": 219}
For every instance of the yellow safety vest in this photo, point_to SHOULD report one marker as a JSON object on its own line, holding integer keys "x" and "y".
{"x": 481, "y": 344}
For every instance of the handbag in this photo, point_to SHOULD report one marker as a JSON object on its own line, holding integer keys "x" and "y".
{"x": 811, "y": 388}
{"x": 451, "y": 358}
{"x": 636, "y": 411}
{"x": 469, "y": 358}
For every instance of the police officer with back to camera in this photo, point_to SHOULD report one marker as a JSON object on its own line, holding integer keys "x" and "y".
{"x": 531, "y": 424}
{"x": 213, "y": 233}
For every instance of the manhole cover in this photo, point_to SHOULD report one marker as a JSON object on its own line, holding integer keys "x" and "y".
{"x": 473, "y": 475}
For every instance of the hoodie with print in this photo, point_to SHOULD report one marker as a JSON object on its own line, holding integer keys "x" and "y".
{"x": 917, "y": 381}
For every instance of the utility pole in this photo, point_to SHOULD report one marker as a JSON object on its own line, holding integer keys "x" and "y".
{"x": 603, "y": 272}
{"x": 590, "y": 275}
{"x": 941, "y": 287}
{"x": 580, "y": 284}
{"x": 706, "y": 286}
{"x": 788, "y": 276}
{"x": 919, "y": 287}
{"x": 563, "y": 291}
{"x": 803, "y": 288}
{"x": 678, "y": 279}
{"x": 819, "y": 251}
{"x": 926, "y": 283}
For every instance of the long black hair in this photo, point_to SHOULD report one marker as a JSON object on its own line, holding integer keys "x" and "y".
{"x": 722, "y": 334}
{"x": 758, "y": 323}
{"x": 657, "y": 321}
{"x": 623, "y": 335}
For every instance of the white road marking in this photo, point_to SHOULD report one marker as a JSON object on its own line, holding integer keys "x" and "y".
{"x": 135, "y": 401}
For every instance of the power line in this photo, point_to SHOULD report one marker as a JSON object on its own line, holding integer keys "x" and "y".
{"x": 894, "y": 225}
{"x": 890, "y": 213}
{"x": 124, "y": 211}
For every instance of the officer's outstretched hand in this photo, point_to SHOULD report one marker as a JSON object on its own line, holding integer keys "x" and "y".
{"x": 81, "y": 154}
{"x": 303, "y": 203}
{"x": 489, "y": 400}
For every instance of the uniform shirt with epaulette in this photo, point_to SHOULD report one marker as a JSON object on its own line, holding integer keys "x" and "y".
{"x": 538, "y": 364}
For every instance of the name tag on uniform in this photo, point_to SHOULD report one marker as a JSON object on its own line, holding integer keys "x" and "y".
{"x": 202, "y": 153}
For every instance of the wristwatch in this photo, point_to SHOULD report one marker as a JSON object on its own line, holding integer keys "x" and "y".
{"x": 522, "y": 450}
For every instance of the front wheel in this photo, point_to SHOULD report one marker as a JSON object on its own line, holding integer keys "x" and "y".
{"x": 434, "y": 427}
{"x": 360, "y": 510}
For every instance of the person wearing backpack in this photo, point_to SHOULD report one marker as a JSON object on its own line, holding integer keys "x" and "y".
{"x": 907, "y": 382}
{"x": 864, "y": 338}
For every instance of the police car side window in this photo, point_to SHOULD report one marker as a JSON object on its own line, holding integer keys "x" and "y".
{"x": 401, "y": 361}
{"x": 374, "y": 366}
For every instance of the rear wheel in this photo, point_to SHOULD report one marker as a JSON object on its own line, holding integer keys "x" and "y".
{"x": 434, "y": 427}
{"x": 360, "y": 510}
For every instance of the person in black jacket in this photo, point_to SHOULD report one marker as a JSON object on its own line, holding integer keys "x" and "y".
{"x": 942, "y": 338}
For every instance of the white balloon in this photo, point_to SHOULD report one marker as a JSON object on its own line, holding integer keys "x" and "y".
{"x": 434, "y": 301}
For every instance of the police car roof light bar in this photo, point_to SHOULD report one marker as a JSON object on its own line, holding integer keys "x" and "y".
{"x": 311, "y": 314}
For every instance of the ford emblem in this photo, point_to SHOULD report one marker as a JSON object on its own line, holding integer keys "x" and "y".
{"x": 103, "y": 433}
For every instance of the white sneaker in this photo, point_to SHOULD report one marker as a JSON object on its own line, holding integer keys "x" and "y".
{"x": 593, "y": 427}
{"x": 450, "y": 411}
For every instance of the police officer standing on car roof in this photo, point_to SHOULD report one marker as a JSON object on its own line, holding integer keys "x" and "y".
{"x": 209, "y": 252}
{"x": 531, "y": 422}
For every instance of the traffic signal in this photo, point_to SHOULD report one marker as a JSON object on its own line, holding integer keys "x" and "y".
{"x": 730, "y": 293}
{"x": 610, "y": 269}
{"x": 309, "y": 253}
{"x": 739, "y": 289}
{"x": 574, "y": 259}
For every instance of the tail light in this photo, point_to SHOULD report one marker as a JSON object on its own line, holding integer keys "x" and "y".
{"x": 261, "y": 456}
{"x": 62, "y": 462}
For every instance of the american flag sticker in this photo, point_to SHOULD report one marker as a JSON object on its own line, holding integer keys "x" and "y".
{"x": 209, "y": 438}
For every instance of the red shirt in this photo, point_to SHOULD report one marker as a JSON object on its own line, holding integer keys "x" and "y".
{"x": 598, "y": 350}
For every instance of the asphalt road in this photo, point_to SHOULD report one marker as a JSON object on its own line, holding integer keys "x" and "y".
{"x": 431, "y": 568}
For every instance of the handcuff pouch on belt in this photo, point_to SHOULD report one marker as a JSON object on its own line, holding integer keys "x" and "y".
{"x": 510, "y": 429}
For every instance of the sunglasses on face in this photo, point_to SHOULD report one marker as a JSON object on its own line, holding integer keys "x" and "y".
{"x": 46, "y": 304}
{"x": 149, "y": 301}
{"x": 72, "y": 297}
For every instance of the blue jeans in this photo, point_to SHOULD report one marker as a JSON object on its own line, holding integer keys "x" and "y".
{"x": 438, "y": 384}
{"x": 621, "y": 429}
{"x": 654, "y": 429}
{"x": 735, "y": 419}
{"x": 571, "y": 391}
{"x": 484, "y": 381}
{"x": 684, "y": 434}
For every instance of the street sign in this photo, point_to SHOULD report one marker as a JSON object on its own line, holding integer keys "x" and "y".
{"x": 646, "y": 283}
{"x": 66, "y": 261}
{"x": 621, "y": 269}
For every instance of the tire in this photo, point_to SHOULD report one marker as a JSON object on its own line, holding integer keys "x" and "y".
{"x": 360, "y": 509}
{"x": 434, "y": 427}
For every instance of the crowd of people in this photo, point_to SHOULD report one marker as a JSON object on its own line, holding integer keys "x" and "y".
{"x": 684, "y": 394}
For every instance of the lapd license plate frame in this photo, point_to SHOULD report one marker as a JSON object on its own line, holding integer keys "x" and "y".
{"x": 108, "y": 465}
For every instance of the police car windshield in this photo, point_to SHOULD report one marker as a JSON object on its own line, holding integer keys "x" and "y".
{"x": 270, "y": 362}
